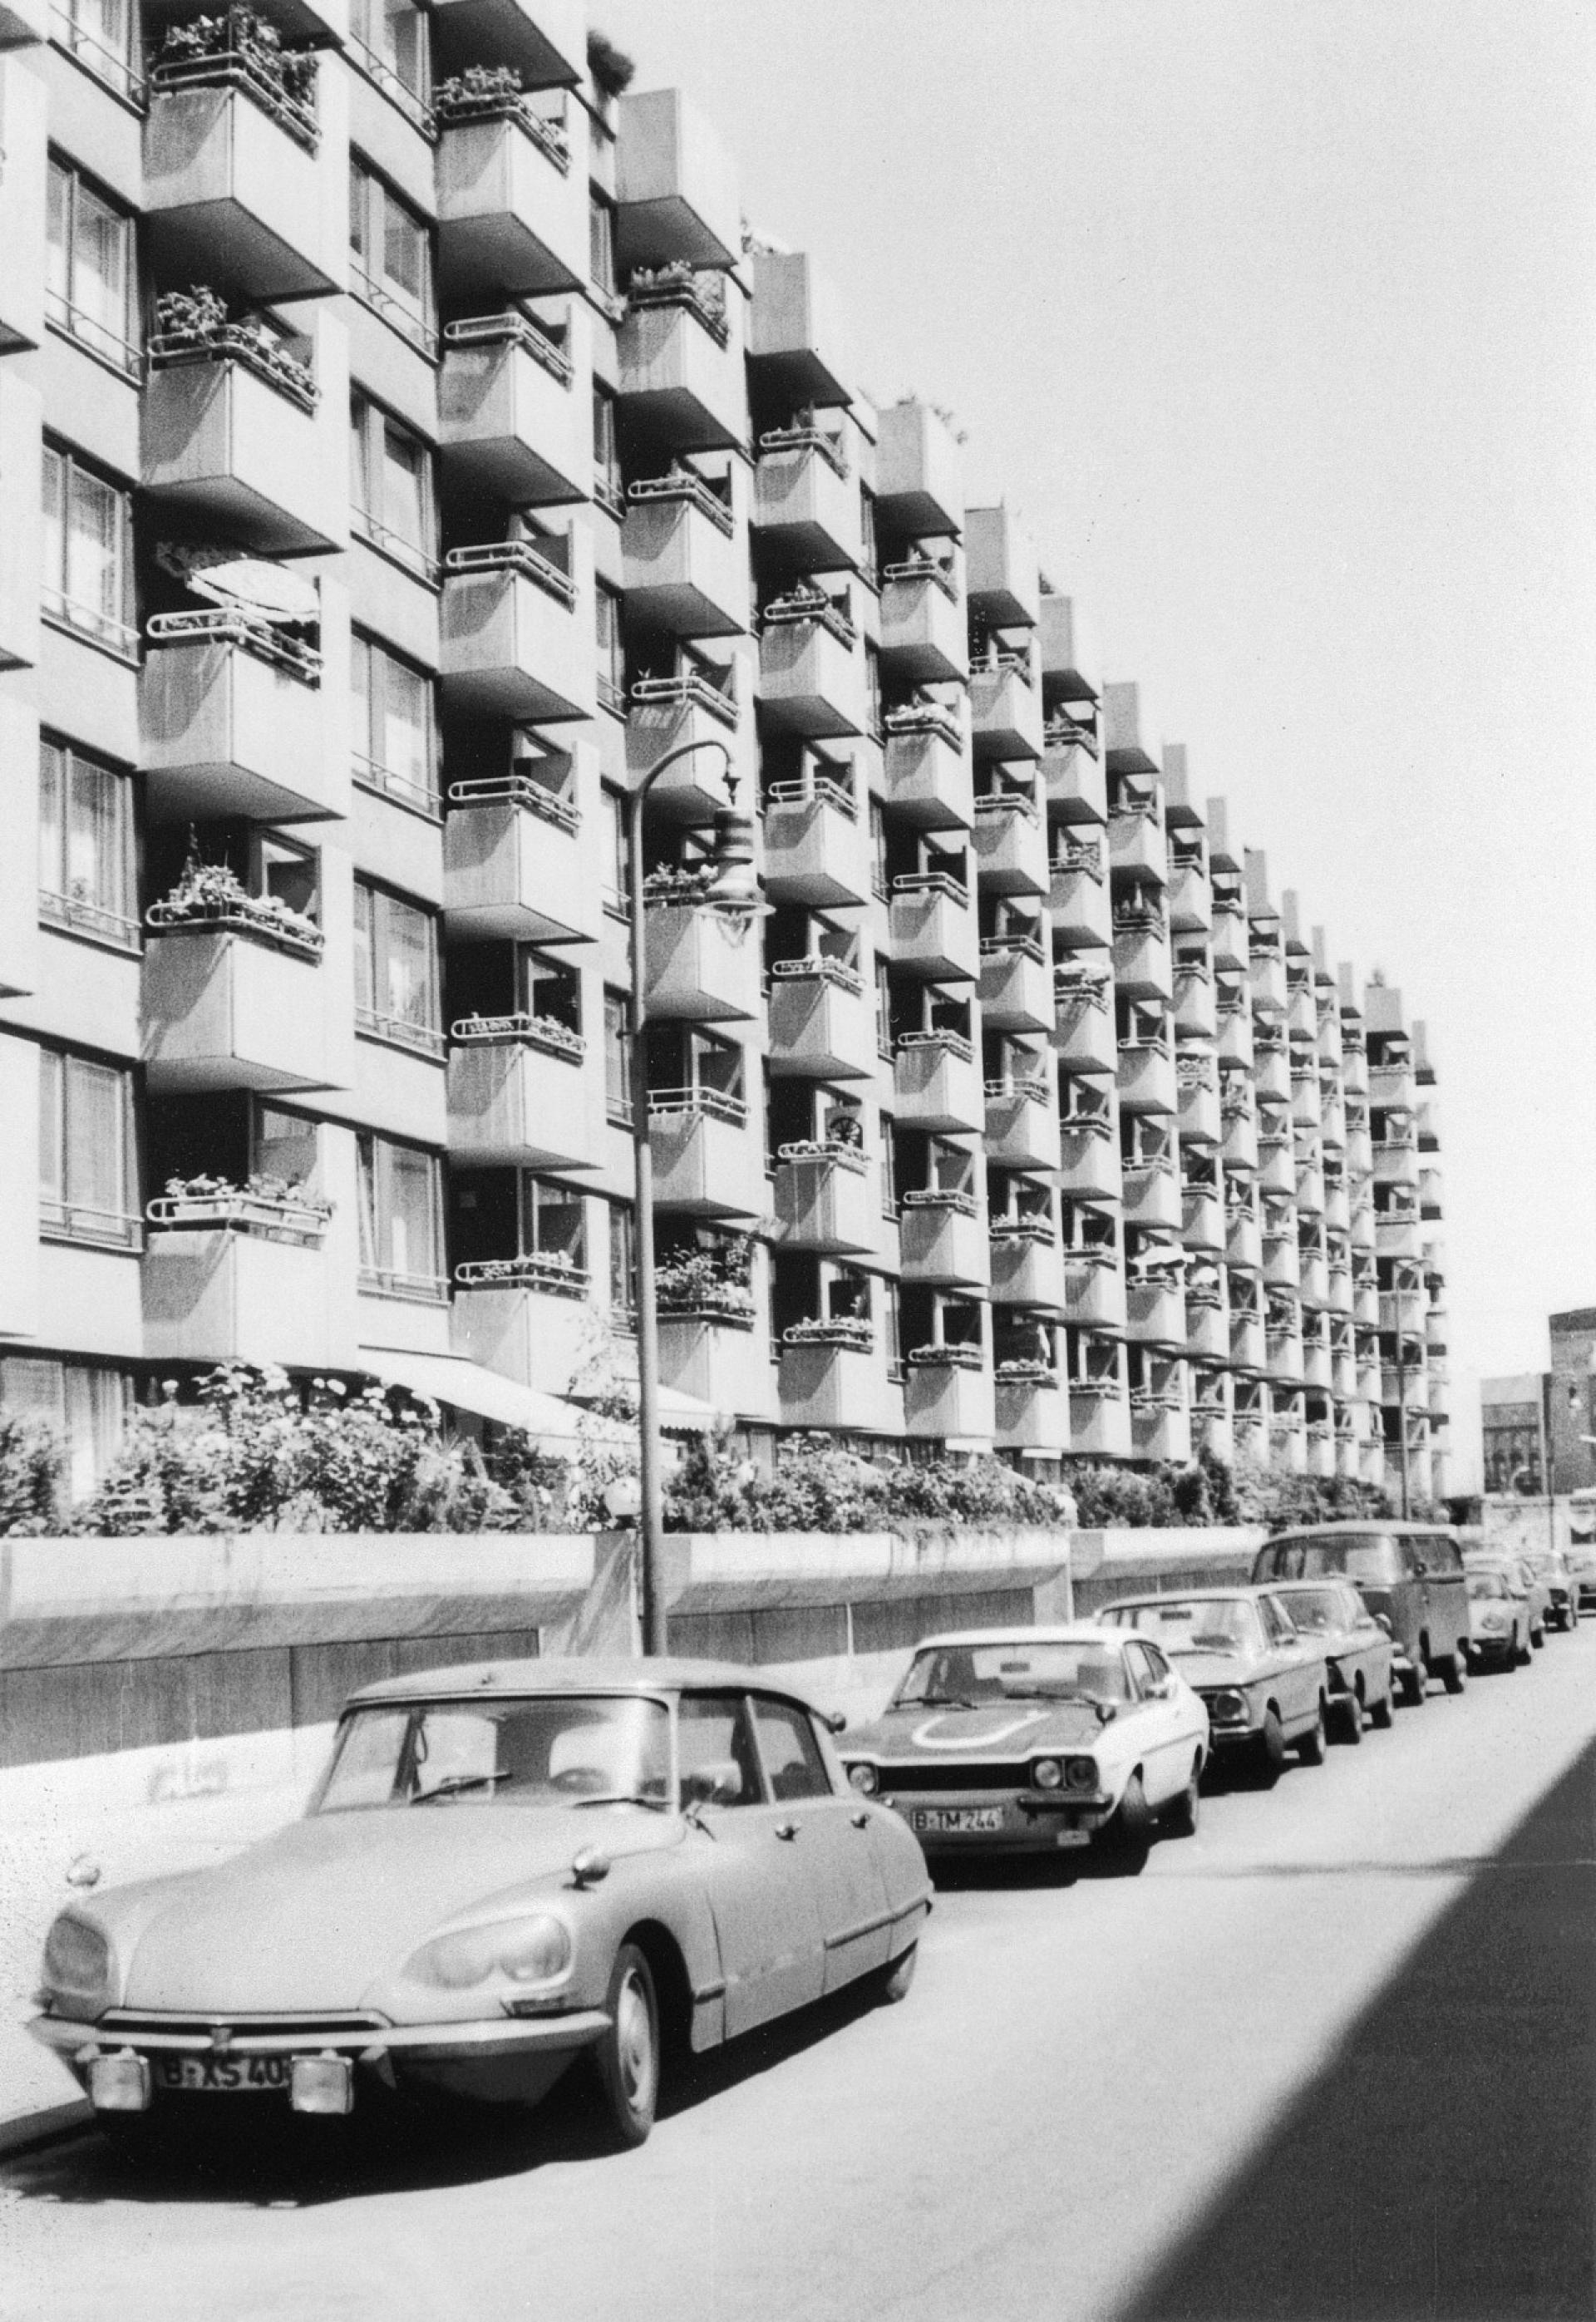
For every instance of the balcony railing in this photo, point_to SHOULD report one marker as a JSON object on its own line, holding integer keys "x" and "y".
{"x": 79, "y": 1221}
{"x": 701, "y": 294}
{"x": 92, "y": 331}
{"x": 807, "y": 604}
{"x": 952, "y": 1044}
{"x": 89, "y": 621}
{"x": 694, "y": 687}
{"x": 948, "y": 1357}
{"x": 517, "y": 789}
{"x": 922, "y": 718}
{"x": 108, "y": 64}
{"x": 79, "y": 917}
{"x": 817, "y": 967}
{"x": 812, "y": 790}
{"x": 520, "y": 1030}
{"x": 513, "y": 330}
{"x": 281, "y": 82}
{"x": 836, "y": 1331}
{"x": 1007, "y": 1230}
{"x": 1079, "y": 855}
{"x": 833, "y": 449}
{"x": 913, "y": 569}
{"x": 706, "y": 1103}
{"x": 240, "y": 1209}
{"x": 932, "y": 882}
{"x": 400, "y": 1031}
{"x": 1031, "y": 1091}
{"x": 1065, "y": 733}
{"x": 456, "y": 102}
{"x": 232, "y": 626}
{"x": 1015, "y": 946}
{"x": 517, "y": 556}
{"x": 250, "y": 345}
{"x": 811, "y": 1153}
{"x": 260, "y": 918}
{"x": 690, "y": 490}
{"x": 942, "y": 1197}
{"x": 394, "y": 1282}
{"x": 547, "y": 1270}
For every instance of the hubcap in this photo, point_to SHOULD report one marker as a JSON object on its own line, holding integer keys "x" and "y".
{"x": 634, "y": 2043}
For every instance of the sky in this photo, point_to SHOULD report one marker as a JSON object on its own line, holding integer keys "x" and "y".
{"x": 1276, "y": 320}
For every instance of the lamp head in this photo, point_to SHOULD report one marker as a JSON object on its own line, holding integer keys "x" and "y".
{"x": 734, "y": 887}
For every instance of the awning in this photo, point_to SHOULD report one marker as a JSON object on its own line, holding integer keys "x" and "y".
{"x": 469, "y": 1386}
{"x": 683, "y": 1414}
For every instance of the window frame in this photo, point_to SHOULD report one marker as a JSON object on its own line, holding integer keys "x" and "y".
{"x": 374, "y": 954}
{"x": 373, "y": 64}
{"x": 112, "y": 633}
{"x": 116, "y": 73}
{"x": 608, "y": 615}
{"x": 416, "y": 320}
{"x": 121, "y": 1229}
{"x": 119, "y": 351}
{"x": 375, "y": 775}
{"x": 91, "y": 922}
{"x": 378, "y": 1277}
{"x": 371, "y": 423}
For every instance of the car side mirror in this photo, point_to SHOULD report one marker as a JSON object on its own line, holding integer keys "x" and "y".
{"x": 717, "y": 1783}
{"x": 1382, "y": 1621}
{"x": 837, "y": 1722}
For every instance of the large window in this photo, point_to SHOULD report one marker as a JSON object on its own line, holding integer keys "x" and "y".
{"x": 622, "y": 1264}
{"x": 89, "y": 269}
{"x": 391, "y": 486}
{"x": 601, "y": 243}
{"x": 87, "y": 552}
{"x": 397, "y": 971}
{"x": 609, "y": 490}
{"x": 617, "y": 1058}
{"x": 393, "y": 726}
{"x": 390, "y": 44}
{"x": 99, "y": 35}
{"x": 401, "y": 1220}
{"x": 612, "y": 658}
{"x": 87, "y": 1180}
{"x": 393, "y": 258}
{"x": 86, "y": 853}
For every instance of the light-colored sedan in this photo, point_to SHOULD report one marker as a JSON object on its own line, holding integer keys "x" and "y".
{"x": 1357, "y": 1647}
{"x": 1499, "y": 1621}
{"x": 1029, "y": 1741}
{"x": 506, "y": 1868}
{"x": 1265, "y": 1687}
{"x": 1527, "y": 1587}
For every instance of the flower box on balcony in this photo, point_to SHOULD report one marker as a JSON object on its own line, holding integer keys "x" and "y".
{"x": 840, "y": 1331}
{"x": 279, "y": 1213}
{"x": 239, "y": 50}
{"x": 217, "y": 904}
{"x": 547, "y": 1270}
{"x": 520, "y": 1030}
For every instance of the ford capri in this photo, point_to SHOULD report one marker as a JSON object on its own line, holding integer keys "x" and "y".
{"x": 1359, "y": 1654}
{"x": 1035, "y": 1740}
{"x": 505, "y": 1869}
{"x": 1265, "y": 1687}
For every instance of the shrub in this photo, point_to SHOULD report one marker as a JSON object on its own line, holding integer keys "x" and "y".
{"x": 611, "y": 70}
{"x": 819, "y": 1485}
{"x": 32, "y": 1466}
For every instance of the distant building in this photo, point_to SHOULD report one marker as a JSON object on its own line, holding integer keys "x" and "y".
{"x": 1573, "y": 1399}
{"x": 1510, "y": 1420}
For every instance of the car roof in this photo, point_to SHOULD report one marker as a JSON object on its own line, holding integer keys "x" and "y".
{"x": 1249, "y": 1589}
{"x": 1351, "y": 1527}
{"x": 507, "y": 1679}
{"x": 1070, "y": 1632}
{"x": 1307, "y": 1580}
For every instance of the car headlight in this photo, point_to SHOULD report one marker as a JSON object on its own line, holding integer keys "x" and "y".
{"x": 1080, "y": 1773}
{"x": 76, "y": 1961}
{"x": 864, "y": 1779}
{"x": 1047, "y": 1773}
{"x": 1493, "y": 1620}
{"x": 1227, "y": 1708}
{"x": 527, "y": 1951}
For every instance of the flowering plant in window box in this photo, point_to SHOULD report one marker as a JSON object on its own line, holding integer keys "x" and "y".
{"x": 530, "y": 1031}
{"x": 241, "y": 49}
{"x": 211, "y": 898}
{"x": 1031, "y": 1370}
{"x": 494, "y": 93}
{"x": 277, "y": 1207}
{"x": 831, "y": 1330}
{"x": 948, "y": 1357}
{"x": 712, "y": 1286}
{"x": 192, "y": 327}
{"x": 676, "y": 886}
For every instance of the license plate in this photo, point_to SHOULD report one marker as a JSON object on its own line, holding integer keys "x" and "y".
{"x": 222, "y": 2075}
{"x": 943, "y": 1822}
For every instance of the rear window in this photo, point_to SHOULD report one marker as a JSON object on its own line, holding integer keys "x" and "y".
{"x": 1439, "y": 1553}
{"x": 1370, "y": 1557}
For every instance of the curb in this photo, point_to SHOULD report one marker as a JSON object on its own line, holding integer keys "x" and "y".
{"x": 49, "y": 2126}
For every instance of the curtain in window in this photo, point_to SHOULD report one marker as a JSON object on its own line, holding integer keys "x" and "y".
{"x": 408, "y": 983}
{"x": 406, "y": 725}
{"x": 404, "y": 488}
{"x": 286, "y": 1146}
{"x": 400, "y": 45}
{"x": 52, "y": 1148}
{"x": 55, "y": 527}
{"x": 365, "y": 947}
{"x": 361, "y": 658}
{"x": 623, "y": 1257}
{"x": 412, "y": 1211}
{"x": 94, "y": 545}
{"x": 404, "y": 252}
{"x": 58, "y": 248}
{"x": 50, "y": 816}
{"x": 96, "y": 854}
{"x": 366, "y": 1185}
{"x": 96, "y": 1122}
{"x": 100, "y": 292}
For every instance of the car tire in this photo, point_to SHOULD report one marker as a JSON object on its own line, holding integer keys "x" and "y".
{"x": 889, "y": 1984}
{"x": 1384, "y": 1714}
{"x": 1310, "y": 1746}
{"x": 1537, "y": 1637}
{"x": 1413, "y": 1681}
{"x": 1131, "y": 1829}
{"x": 1351, "y": 1719}
{"x": 1270, "y": 1759}
{"x": 1182, "y": 1815}
{"x": 626, "y": 2060}
{"x": 1455, "y": 1670}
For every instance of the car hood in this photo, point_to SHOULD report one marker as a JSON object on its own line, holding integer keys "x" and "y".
{"x": 1213, "y": 1669}
{"x": 996, "y": 1729}
{"x": 310, "y": 1918}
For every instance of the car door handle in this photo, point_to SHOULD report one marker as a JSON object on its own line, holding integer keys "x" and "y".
{"x": 787, "y": 1830}
{"x": 860, "y": 1821}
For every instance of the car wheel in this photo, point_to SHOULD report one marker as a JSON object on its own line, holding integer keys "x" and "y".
{"x": 1413, "y": 1685}
{"x": 1537, "y": 1637}
{"x": 1270, "y": 1747}
{"x": 891, "y": 1982}
{"x": 1455, "y": 1670}
{"x": 1181, "y": 1815}
{"x": 626, "y": 2060}
{"x": 1352, "y": 1716}
{"x": 1310, "y": 1746}
{"x": 1384, "y": 1714}
{"x": 1131, "y": 1829}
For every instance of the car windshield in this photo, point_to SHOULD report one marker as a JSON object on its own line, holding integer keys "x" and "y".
{"x": 1317, "y": 1608}
{"x": 1194, "y": 1624}
{"x": 1487, "y": 1584}
{"x": 967, "y": 1676}
{"x": 561, "y": 1749}
{"x": 1370, "y": 1557}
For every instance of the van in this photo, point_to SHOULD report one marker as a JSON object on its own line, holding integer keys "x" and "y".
{"x": 1409, "y": 1575}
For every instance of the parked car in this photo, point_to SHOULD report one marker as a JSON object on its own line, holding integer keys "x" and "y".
{"x": 1358, "y": 1651}
{"x": 1407, "y": 1575}
{"x": 1499, "y": 1621}
{"x": 1551, "y": 1565}
{"x": 1265, "y": 1687}
{"x": 1581, "y": 1545}
{"x": 506, "y": 1868}
{"x": 1527, "y": 1587}
{"x": 1035, "y": 1740}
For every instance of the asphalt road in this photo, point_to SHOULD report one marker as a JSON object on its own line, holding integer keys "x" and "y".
{"x": 1332, "y": 2057}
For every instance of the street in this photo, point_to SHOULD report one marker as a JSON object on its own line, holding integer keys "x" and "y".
{"x": 1332, "y": 2057}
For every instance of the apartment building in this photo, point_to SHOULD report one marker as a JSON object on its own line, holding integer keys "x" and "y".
{"x": 404, "y": 445}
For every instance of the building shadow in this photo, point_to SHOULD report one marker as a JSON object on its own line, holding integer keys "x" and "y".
{"x": 1444, "y": 2164}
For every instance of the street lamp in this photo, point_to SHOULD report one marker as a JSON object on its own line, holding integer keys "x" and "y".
{"x": 733, "y": 889}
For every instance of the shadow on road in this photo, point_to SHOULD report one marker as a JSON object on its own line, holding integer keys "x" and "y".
{"x": 1441, "y": 2164}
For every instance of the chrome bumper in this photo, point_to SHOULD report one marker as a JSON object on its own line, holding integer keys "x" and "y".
{"x": 80, "y": 2044}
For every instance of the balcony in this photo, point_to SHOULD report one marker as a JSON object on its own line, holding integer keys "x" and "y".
{"x": 1396, "y": 1161}
{"x": 1147, "y": 1076}
{"x": 1026, "y": 1263}
{"x": 512, "y": 425}
{"x": 934, "y": 929}
{"x": 1271, "y": 1070}
{"x": 1005, "y": 710}
{"x": 795, "y": 339}
{"x": 1318, "y": 1363}
{"x": 1015, "y": 985}
{"x": 1283, "y": 1351}
{"x": 1404, "y": 1310}
{"x": 1248, "y": 1347}
{"x": 1022, "y": 1122}
{"x": 1230, "y": 934}
{"x": 1099, "y": 1419}
{"x": 1082, "y": 1024}
{"x": 1200, "y": 1120}
{"x": 1282, "y": 1259}
{"x": 221, "y": 1296}
{"x": 685, "y": 564}
{"x": 522, "y": 1091}
{"x": 1239, "y": 1149}
{"x": 707, "y": 1162}
{"x": 947, "y": 1396}
{"x": 1094, "y": 1290}
{"x": 1078, "y": 900}
{"x": 1155, "y": 1313}
{"x": 938, "y": 1084}
{"x": 516, "y": 865}
{"x": 1429, "y": 1193}
{"x": 231, "y": 1003}
{"x": 1152, "y": 1190}
{"x": 805, "y": 499}
{"x": 1316, "y": 1277}
{"x": 943, "y": 1239}
{"x": 811, "y": 677}
{"x": 241, "y": 191}
{"x": 1195, "y": 1015}
{"x": 1141, "y": 953}
{"x": 666, "y": 713}
{"x": 676, "y": 191}
{"x": 1310, "y": 1185}
{"x": 512, "y": 212}
{"x": 233, "y": 441}
{"x": 835, "y": 1380}
{"x": 1267, "y": 973}
{"x": 235, "y": 721}
{"x": 1032, "y": 1410}
{"x": 702, "y": 965}
{"x": 1202, "y": 1220}
{"x": 1305, "y": 1095}
{"x": 529, "y": 1317}
{"x": 1190, "y": 900}
{"x": 827, "y": 1199}
{"x": 927, "y": 768}
{"x": 919, "y": 488}
{"x": 1010, "y": 845}
{"x": 1000, "y": 580}
{"x": 1160, "y": 1424}
{"x": 712, "y": 1359}
{"x": 1243, "y": 1239}
{"x": 1234, "y": 1034}
{"x": 1136, "y": 841}
{"x": 923, "y": 625}
{"x": 680, "y": 381}
{"x": 1207, "y": 1326}
{"x": 1073, "y": 770}
{"x": 816, "y": 850}
{"x": 1090, "y": 1165}
{"x": 517, "y": 634}
{"x": 821, "y": 1022}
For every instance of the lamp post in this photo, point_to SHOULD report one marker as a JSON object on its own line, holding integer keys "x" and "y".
{"x": 733, "y": 889}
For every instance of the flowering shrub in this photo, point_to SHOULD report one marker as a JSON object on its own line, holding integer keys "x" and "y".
{"x": 31, "y": 1470}
{"x": 819, "y": 1485}
{"x": 208, "y": 891}
{"x": 240, "y": 33}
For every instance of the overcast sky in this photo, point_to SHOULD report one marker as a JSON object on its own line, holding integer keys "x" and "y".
{"x": 1277, "y": 322}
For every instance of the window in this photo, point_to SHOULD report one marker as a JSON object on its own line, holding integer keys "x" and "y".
{"x": 794, "y": 1766}
{"x": 393, "y": 258}
{"x": 281, "y": 868}
{"x": 391, "y": 46}
{"x": 879, "y": 885}
{"x": 393, "y": 729}
{"x": 286, "y": 1145}
{"x": 615, "y": 865}
{"x": 85, "y": 856}
{"x": 391, "y": 486}
{"x": 97, "y": 35}
{"x": 88, "y": 1407}
{"x": 607, "y": 464}
{"x": 617, "y": 1058}
{"x": 622, "y": 1263}
{"x": 87, "y": 553}
{"x": 612, "y": 659}
{"x": 89, "y": 270}
{"x": 86, "y": 1190}
{"x": 601, "y": 244}
{"x": 401, "y": 1219}
{"x": 888, "y": 1135}
{"x": 554, "y": 1227}
{"x": 868, "y": 564}
{"x": 872, "y": 693}
{"x": 397, "y": 971}
{"x": 712, "y": 1730}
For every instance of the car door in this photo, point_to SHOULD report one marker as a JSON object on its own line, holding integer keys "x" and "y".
{"x": 828, "y": 1835}
{"x": 1299, "y": 1668}
{"x": 762, "y": 1891}
{"x": 1159, "y": 1722}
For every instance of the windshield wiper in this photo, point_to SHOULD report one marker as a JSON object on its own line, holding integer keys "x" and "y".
{"x": 627, "y": 1799}
{"x": 453, "y": 1786}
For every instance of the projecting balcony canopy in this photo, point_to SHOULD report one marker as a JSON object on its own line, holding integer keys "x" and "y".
{"x": 512, "y": 212}
{"x": 806, "y": 502}
{"x": 235, "y": 721}
{"x": 512, "y": 424}
{"x": 514, "y": 644}
{"x": 545, "y": 44}
{"x": 794, "y": 337}
{"x": 676, "y": 193}
{"x": 239, "y": 185}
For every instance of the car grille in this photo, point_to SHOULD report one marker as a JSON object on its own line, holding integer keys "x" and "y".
{"x": 129, "y": 2024}
{"x": 993, "y": 1774}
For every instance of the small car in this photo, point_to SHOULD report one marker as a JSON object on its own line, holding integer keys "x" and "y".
{"x": 1550, "y": 1565}
{"x": 1581, "y": 1552}
{"x": 1266, "y": 1687}
{"x": 1029, "y": 1741}
{"x": 1358, "y": 1650}
{"x": 1499, "y": 1621}
{"x": 1409, "y": 1575}
{"x": 1527, "y": 1587}
{"x": 506, "y": 1867}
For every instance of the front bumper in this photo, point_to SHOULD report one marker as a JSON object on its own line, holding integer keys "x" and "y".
{"x": 1027, "y": 1821}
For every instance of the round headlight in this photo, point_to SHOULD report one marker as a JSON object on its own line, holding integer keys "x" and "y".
{"x": 864, "y": 1779}
{"x": 77, "y": 1960}
{"x": 1047, "y": 1773}
{"x": 1227, "y": 1708}
{"x": 527, "y": 1951}
{"x": 1081, "y": 1773}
